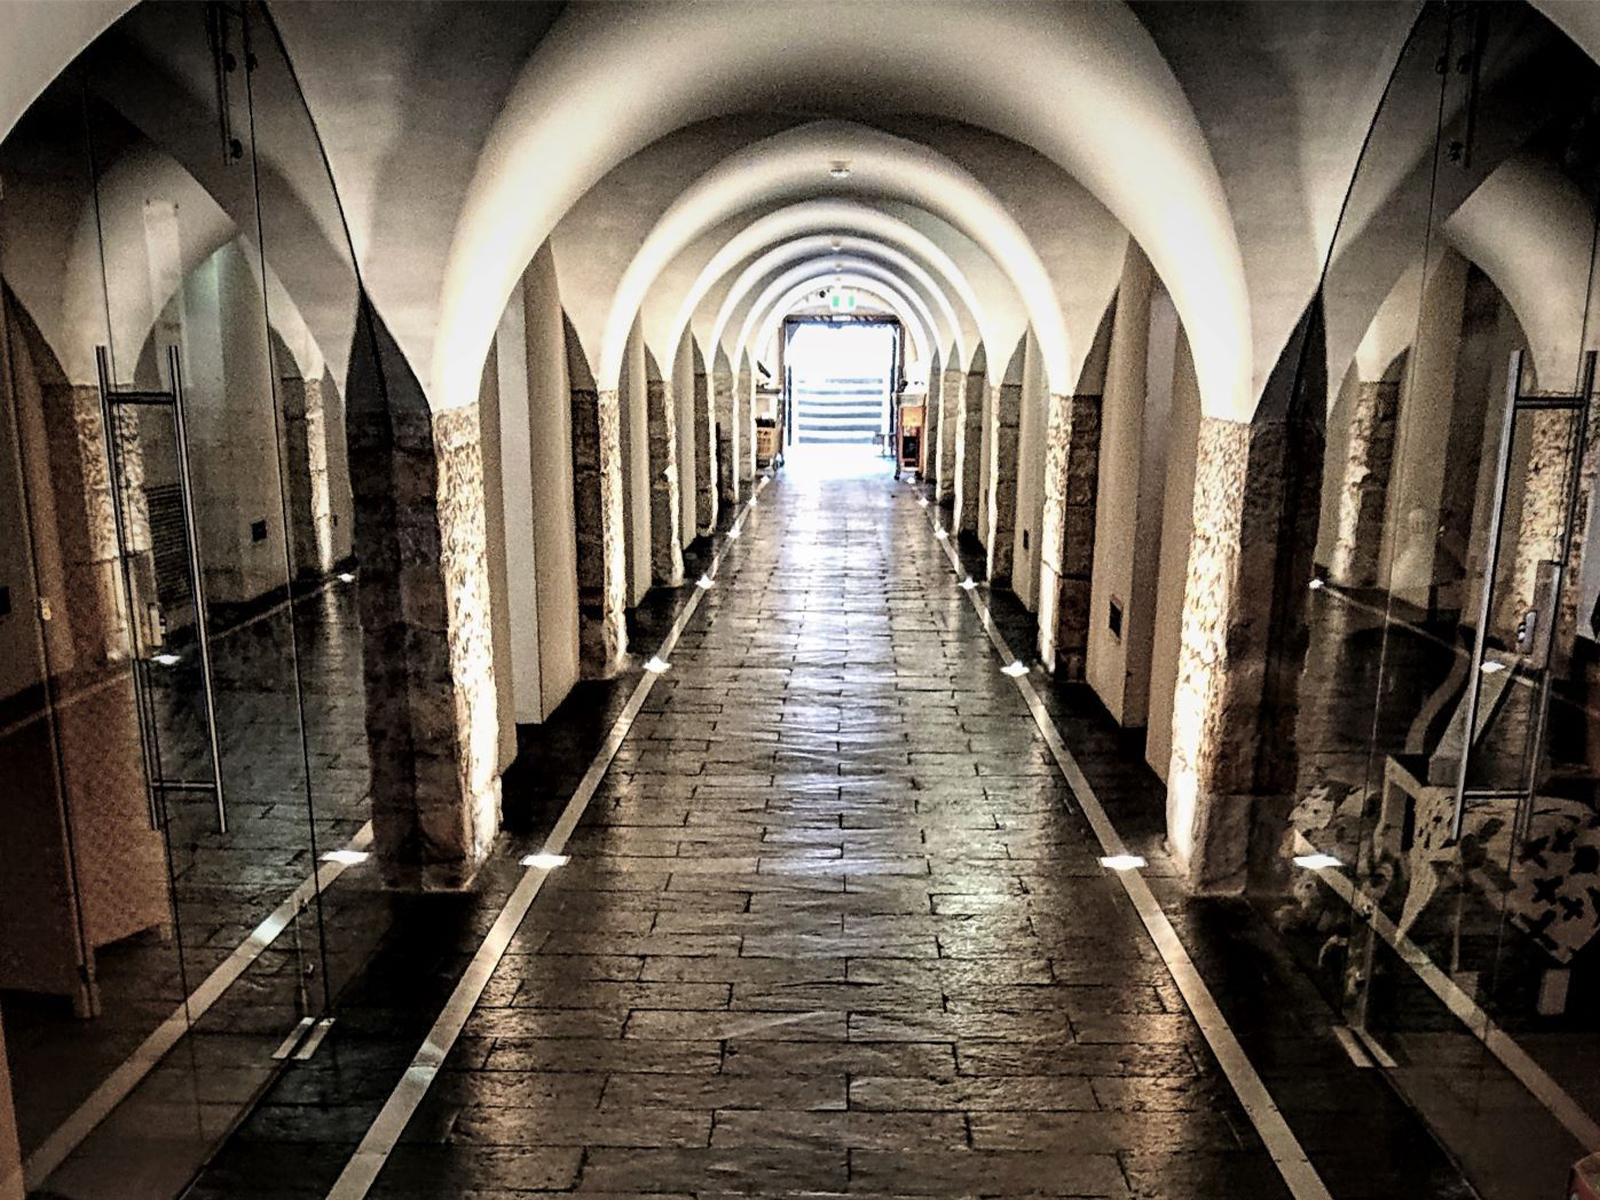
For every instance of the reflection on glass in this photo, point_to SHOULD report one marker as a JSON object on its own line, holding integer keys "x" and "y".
{"x": 1446, "y": 720}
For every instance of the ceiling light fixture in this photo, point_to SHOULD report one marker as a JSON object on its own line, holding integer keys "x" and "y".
{"x": 840, "y": 170}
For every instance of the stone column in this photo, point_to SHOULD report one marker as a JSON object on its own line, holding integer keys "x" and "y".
{"x": 744, "y": 402}
{"x": 931, "y": 423}
{"x": 1364, "y": 484}
{"x": 725, "y": 407}
{"x": 1242, "y": 644}
{"x": 1066, "y": 532}
{"x": 969, "y": 452}
{"x": 602, "y": 555}
{"x": 666, "y": 554}
{"x": 952, "y": 388}
{"x": 305, "y": 449}
{"x": 1546, "y": 478}
{"x": 427, "y": 648}
{"x": 1003, "y": 465}
{"x": 705, "y": 455}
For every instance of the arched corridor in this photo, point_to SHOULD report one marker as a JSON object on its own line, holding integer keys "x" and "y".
{"x": 798, "y": 597}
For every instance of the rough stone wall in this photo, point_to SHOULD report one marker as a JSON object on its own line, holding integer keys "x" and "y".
{"x": 1242, "y": 643}
{"x": 80, "y": 480}
{"x": 725, "y": 406}
{"x": 1364, "y": 484}
{"x": 969, "y": 449}
{"x": 1003, "y": 466}
{"x": 427, "y": 652}
{"x": 305, "y": 447}
{"x": 952, "y": 390}
{"x": 666, "y": 555}
{"x": 744, "y": 399}
{"x": 602, "y": 555}
{"x": 705, "y": 455}
{"x": 1066, "y": 532}
{"x": 1541, "y": 524}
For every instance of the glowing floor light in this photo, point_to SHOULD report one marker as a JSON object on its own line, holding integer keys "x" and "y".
{"x": 1316, "y": 862}
{"x": 704, "y": 583}
{"x": 547, "y": 862}
{"x": 346, "y": 577}
{"x": 348, "y": 857}
{"x": 1015, "y": 669}
{"x": 1123, "y": 862}
{"x": 922, "y": 502}
{"x": 968, "y": 584}
{"x": 166, "y": 658}
{"x": 1316, "y": 585}
{"x": 657, "y": 665}
{"x": 941, "y": 533}
{"x": 734, "y": 532}
{"x": 1492, "y": 668}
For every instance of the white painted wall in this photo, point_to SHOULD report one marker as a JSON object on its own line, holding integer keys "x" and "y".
{"x": 683, "y": 396}
{"x": 1177, "y": 524}
{"x": 555, "y": 580}
{"x": 634, "y": 400}
{"x": 1031, "y": 447}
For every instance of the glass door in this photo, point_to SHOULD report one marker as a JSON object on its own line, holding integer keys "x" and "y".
{"x": 153, "y": 513}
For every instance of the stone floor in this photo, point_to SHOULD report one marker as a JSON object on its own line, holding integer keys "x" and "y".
{"x": 831, "y": 925}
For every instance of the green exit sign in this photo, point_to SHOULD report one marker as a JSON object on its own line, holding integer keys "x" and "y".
{"x": 842, "y": 300}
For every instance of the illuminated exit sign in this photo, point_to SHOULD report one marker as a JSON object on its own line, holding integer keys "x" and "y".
{"x": 842, "y": 300}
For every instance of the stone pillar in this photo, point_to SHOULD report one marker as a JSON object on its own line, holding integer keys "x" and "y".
{"x": 744, "y": 402}
{"x": 597, "y": 505}
{"x": 969, "y": 452}
{"x": 427, "y": 648}
{"x": 930, "y": 426}
{"x": 666, "y": 554}
{"x": 725, "y": 407}
{"x": 1364, "y": 484}
{"x": 1242, "y": 644}
{"x": 1066, "y": 532}
{"x": 305, "y": 449}
{"x": 705, "y": 455}
{"x": 952, "y": 388}
{"x": 1546, "y": 478}
{"x": 1003, "y": 466}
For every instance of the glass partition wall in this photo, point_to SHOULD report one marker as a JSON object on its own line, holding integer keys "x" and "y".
{"x": 181, "y": 707}
{"x": 1445, "y": 835}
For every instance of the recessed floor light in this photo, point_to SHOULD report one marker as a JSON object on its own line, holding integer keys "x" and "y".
{"x": 1123, "y": 862}
{"x": 348, "y": 857}
{"x": 1492, "y": 668}
{"x": 941, "y": 533}
{"x": 1316, "y": 585}
{"x": 346, "y": 577}
{"x": 968, "y": 583}
{"x": 1015, "y": 669}
{"x": 754, "y": 502}
{"x": 922, "y": 501}
{"x": 166, "y": 658}
{"x": 1316, "y": 862}
{"x": 734, "y": 532}
{"x": 547, "y": 862}
{"x": 704, "y": 583}
{"x": 657, "y": 665}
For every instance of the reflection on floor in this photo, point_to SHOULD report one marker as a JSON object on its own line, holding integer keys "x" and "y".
{"x": 1499, "y": 911}
{"x": 830, "y": 925}
{"x": 277, "y": 796}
